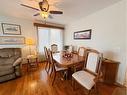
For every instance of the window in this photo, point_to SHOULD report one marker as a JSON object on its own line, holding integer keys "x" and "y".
{"x": 49, "y": 36}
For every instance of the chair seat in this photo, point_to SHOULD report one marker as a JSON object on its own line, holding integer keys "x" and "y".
{"x": 84, "y": 78}
{"x": 60, "y": 68}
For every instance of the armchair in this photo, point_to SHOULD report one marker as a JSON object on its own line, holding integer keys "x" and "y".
{"x": 10, "y": 63}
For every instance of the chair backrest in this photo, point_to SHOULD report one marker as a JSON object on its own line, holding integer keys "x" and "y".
{"x": 93, "y": 61}
{"x": 51, "y": 60}
{"x": 46, "y": 53}
{"x": 82, "y": 51}
{"x": 66, "y": 47}
{"x": 54, "y": 48}
{"x": 70, "y": 49}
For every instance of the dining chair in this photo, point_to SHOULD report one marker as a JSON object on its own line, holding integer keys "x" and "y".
{"x": 89, "y": 76}
{"x": 70, "y": 49}
{"x": 54, "y": 48}
{"x": 47, "y": 65}
{"x": 55, "y": 69}
{"x": 82, "y": 51}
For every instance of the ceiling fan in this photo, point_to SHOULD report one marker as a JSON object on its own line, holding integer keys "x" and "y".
{"x": 44, "y": 9}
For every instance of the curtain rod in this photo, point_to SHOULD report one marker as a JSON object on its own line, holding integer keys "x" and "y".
{"x": 48, "y": 25}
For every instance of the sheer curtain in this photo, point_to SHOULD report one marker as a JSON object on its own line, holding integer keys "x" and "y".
{"x": 56, "y": 37}
{"x": 49, "y": 36}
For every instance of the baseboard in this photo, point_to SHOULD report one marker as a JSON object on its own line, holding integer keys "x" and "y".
{"x": 120, "y": 85}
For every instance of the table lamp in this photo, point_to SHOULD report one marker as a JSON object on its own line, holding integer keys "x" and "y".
{"x": 29, "y": 42}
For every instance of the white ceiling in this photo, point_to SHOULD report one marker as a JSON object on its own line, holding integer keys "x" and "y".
{"x": 73, "y": 9}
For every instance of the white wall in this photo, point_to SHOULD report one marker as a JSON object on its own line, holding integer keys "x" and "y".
{"x": 27, "y": 30}
{"x": 108, "y": 34}
{"x": 126, "y": 46}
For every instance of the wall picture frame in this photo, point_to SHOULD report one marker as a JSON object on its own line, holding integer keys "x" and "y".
{"x": 84, "y": 34}
{"x": 12, "y": 40}
{"x": 11, "y": 29}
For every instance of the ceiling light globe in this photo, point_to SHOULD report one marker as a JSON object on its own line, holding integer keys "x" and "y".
{"x": 44, "y": 14}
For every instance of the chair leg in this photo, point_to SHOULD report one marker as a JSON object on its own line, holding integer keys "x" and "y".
{"x": 65, "y": 75}
{"x": 89, "y": 92}
{"x": 96, "y": 89}
{"x": 54, "y": 79}
{"x": 51, "y": 72}
{"x": 37, "y": 64}
{"x": 73, "y": 83}
{"x": 48, "y": 67}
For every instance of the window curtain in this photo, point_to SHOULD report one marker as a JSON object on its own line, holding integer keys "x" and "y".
{"x": 49, "y": 36}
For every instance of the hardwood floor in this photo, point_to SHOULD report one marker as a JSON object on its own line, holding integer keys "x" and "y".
{"x": 37, "y": 82}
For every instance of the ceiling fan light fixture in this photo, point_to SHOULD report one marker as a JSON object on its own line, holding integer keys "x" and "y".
{"x": 44, "y": 14}
{"x": 44, "y": 10}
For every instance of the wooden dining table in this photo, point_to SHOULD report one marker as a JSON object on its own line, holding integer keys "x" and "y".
{"x": 67, "y": 62}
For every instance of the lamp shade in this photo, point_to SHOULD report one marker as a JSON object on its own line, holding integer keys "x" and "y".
{"x": 29, "y": 41}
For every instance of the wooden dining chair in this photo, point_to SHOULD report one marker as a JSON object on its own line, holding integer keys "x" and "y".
{"x": 54, "y": 48}
{"x": 90, "y": 75}
{"x": 82, "y": 51}
{"x": 55, "y": 69}
{"x": 47, "y": 65}
{"x": 70, "y": 49}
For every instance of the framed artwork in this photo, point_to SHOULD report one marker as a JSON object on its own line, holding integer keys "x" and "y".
{"x": 11, "y": 29}
{"x": 85, "y": 34}
{"x": 12, "y": 40}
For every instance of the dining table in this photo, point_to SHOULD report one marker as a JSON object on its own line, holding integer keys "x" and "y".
{"x": 68, "y": 62}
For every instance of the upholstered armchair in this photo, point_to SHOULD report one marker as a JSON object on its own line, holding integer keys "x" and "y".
{"x": 10, "y": 63}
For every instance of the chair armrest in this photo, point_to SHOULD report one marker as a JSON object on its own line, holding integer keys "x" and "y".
{"x": 96, "y": 80}
{"x": 17, "y": 62}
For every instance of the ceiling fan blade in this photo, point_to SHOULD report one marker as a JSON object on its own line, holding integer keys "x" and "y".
{"x": 56, "y": 12}
{"x": 36, "y": 14}
{"x": 29, "y": 7}
{"x": 50, "y": 16}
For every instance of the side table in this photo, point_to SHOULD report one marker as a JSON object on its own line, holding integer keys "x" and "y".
{"x": 32, "y": 62}
{"x": 109, "y": 69}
